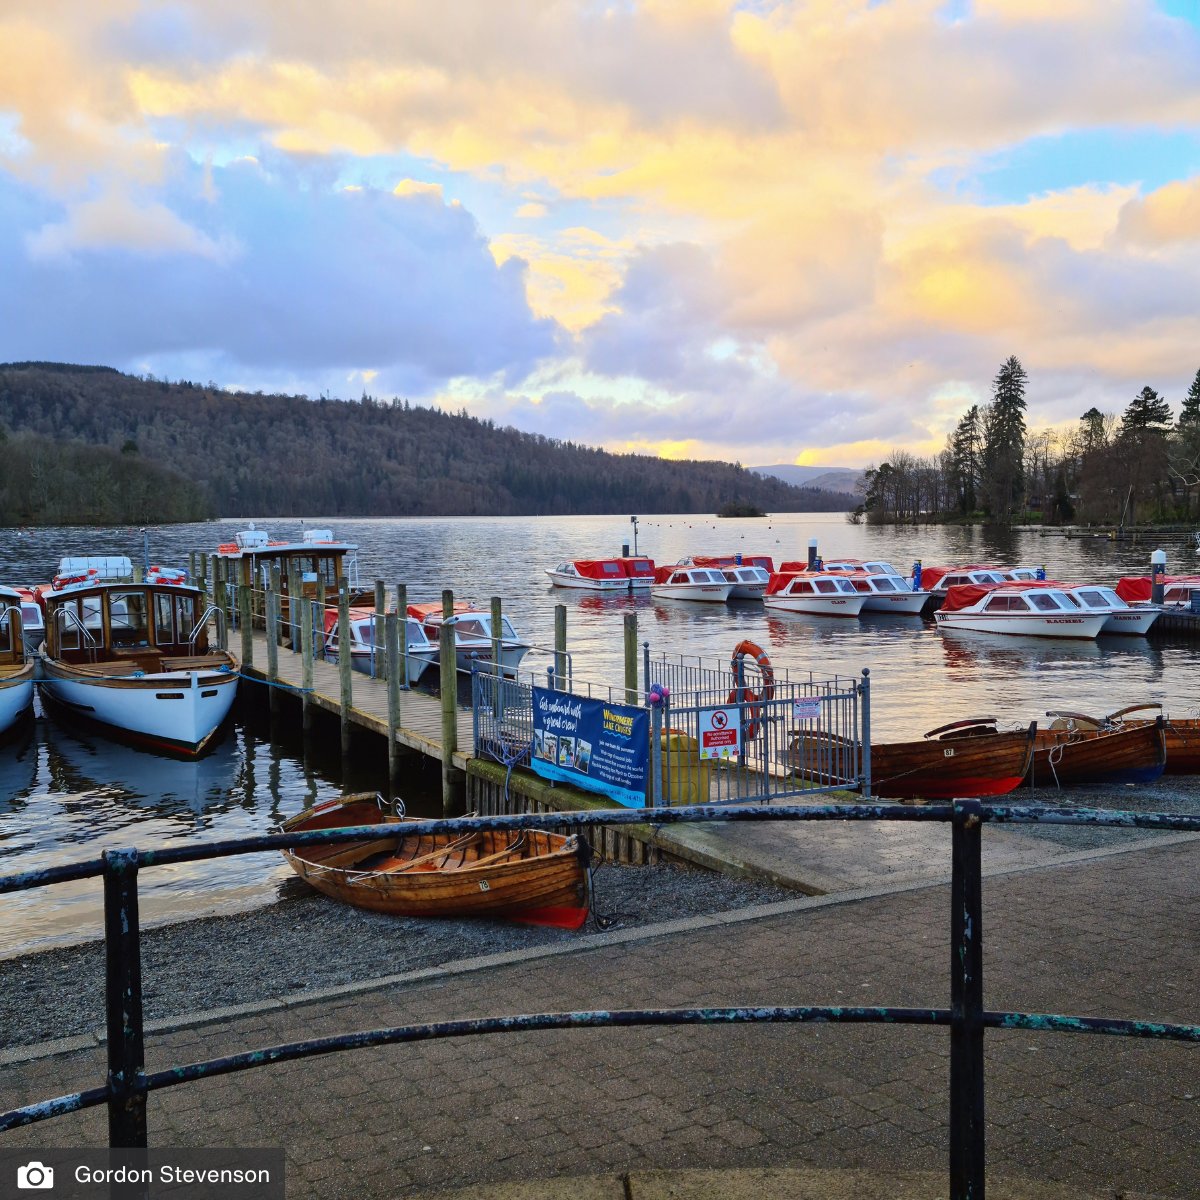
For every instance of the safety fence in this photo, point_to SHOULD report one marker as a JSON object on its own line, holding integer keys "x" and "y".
{"x": 128, "y": 1085}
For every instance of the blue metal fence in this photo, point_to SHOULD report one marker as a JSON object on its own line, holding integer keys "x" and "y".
{"x": 128, "y": 1084}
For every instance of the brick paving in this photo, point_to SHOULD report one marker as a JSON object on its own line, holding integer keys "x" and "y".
{"x": 1110, "y": 1116}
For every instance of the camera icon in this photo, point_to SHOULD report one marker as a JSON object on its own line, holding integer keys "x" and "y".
{"x": 35, "y": 1175}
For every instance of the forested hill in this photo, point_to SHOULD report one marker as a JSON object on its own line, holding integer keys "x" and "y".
{"x": 288, "y": 455}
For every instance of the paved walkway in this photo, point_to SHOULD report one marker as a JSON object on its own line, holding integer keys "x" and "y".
{"x": 700, "y": 1112}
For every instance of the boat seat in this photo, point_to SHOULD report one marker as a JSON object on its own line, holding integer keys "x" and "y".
{"x": 195, "y": 662}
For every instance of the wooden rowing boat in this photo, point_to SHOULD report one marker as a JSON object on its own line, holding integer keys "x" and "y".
{"x": 1182, "y": 735}
{"x": 966, "y": 758}
{"x": 1069, "y": 754}
{"x": 529, "y": 875}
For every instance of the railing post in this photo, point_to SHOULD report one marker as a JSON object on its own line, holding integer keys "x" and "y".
{"x": 402, "y": 613}
{"x": 966, "y": 1004}
{"x": 247, "y": 623}
{"x": 656, "y": 781}
{"x": 302, "y": 609}
{"x": 449, "y": 677}
{"x": 393, "y": 623}
{"x": 560, "y": 647}
{"x": 631, "y": 680}
{"x": 273, "y": 640}
{"x": 379, "y": 664}
{"x": 345, "y": 662}
{"x": 864, "y": 690}
{"x": 123, "y": 1000}
{"x": 645, "y": 667}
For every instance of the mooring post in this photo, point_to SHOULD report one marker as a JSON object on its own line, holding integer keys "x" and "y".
{"x": 302, "y": 609}
{"x": 447, "y": 665}
{"x": 272, "y": 622}
{"x": 247, "y": 625}
{"x": 345, "y": 662}
{"x": 497, "y": 623}
{"x": 864, "y": 691}
{"x": 966, "y": 1004}
{"x": 631, "y": 665}
{"x": 656, "y": 760}
{"x": 402, "y": 613}
{"x": 560, "y": 647}
{"x": 220, "y": 588}
{"x": 295, "y": 605}
{"x": 392, "y": 624}
{"x": 123, "y": 1002}
{"x": 378, "y": 654}
{"x": 202, "y": 575}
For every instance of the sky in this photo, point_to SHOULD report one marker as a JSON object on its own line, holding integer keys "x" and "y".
{"x": 758, "y": 231}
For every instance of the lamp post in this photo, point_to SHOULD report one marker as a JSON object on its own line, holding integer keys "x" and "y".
{"x": 633, "y": 522}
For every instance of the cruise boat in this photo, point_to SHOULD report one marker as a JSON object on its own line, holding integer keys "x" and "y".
{"x": 16, "y": 673}
{"x": 818, "y": 594}
{"x": 318, "y": 558}
{"x": 748, "y": 573}
{"x": 592, "y": 575}
{"x": 691, "y": 583}
{"x": 1179, "y": 591}
{"x": 136, "y": 658}
{"x": 1122, "y": 617}
{"x": 1027, "y": 609}
{"x": 472, "y": 635}
{"x": 421, "y": 653}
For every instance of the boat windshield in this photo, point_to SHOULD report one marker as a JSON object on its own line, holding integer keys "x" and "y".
{"x": 1006, "y": 604}
{"x": 1048, "y": 601}
{"x": 828, "y": 586}
{"x": 884, "y": 584}
{"x": 1092, "y": 598}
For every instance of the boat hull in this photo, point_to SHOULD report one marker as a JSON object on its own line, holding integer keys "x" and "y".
{"x": 712, "y": 593}
{"x": 175, "y": 711}
{"x": 1092, "y": 758}
{"x": 1183, "y": 744}
{"x": 817, "y": 606}
{"x": 1135, "y": 622}
{"x": 16, "y": 696}
{"x": 1022, "y": 624}
{"x": 588, "y": 585}
{"x": 907, "y": 604}
{"x": 543, "y": 880}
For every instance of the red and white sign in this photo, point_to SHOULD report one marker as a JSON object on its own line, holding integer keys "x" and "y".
{"x": 720, "y": 733}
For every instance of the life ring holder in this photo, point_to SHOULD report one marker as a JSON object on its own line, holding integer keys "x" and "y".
{"x": 748, "y": 696}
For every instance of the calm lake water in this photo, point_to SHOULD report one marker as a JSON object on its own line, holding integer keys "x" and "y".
{"x": 66, "y": 795}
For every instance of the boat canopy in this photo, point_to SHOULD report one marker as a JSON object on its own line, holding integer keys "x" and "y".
{"x": 1135, "y": 589}
{"x": 964, "y": 595}
{"x": 638, "y": 568}
{"x": 734, "y": 560}
{"x": 810, "y": 583}
{"x": 601, "y": 568}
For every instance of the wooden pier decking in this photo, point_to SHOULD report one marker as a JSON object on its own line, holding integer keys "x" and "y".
{"x": 420, "y": 724}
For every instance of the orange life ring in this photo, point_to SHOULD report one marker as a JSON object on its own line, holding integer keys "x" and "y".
{"x": 748, "y": 695}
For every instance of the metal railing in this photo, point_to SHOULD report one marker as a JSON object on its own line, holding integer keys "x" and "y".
{"x": 128, "y": 1084}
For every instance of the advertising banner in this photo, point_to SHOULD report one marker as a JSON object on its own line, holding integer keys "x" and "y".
{"x": 591, "y": 744}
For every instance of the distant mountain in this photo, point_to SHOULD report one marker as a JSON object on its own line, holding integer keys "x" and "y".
{"x": 836, "y": 479}
{"x": 234, "y": 453}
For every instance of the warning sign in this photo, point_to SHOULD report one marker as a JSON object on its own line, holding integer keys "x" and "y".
{"x": 720, "y": 733}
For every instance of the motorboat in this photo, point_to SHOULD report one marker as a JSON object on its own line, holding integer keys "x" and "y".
{"x": 749, "y": 574}
{"x": 817, "y": 594}
{"x": 691, "y": 583}
{"x": 841, "y": 566}
{"x": 472, "y": 635}
{"x": 1179, "y": 591}
{"x": 640, "y": 571}
{"x": 592, "y": 574}
{"x": 887, "y": 593}
{"x": 1122, "y": 617}
{"x": 1028, "y": 609}
{"x": 420, "y": 653}
{"x": 16, "y": 672}
{"x": 317, "y": 558}
{"x": 136, "y": 658}
{"x": 937, "y": 581}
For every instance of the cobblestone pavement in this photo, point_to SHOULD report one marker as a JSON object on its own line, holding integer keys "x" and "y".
{"x": 1115, "y": 937}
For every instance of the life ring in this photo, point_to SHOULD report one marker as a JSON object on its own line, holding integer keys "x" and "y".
{"x": 749, "y": 695}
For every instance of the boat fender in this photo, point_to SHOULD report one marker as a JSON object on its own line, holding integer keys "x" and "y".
{"x": 749, "y": 695}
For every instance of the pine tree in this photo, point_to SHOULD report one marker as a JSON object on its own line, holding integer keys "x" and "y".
{"x": 1147, "y": 413}
{"x": 1190, "y": 413}
{"x": 1004, "y": 441}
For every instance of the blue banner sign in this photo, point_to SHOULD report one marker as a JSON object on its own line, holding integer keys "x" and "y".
{"x": 591, "y": 744}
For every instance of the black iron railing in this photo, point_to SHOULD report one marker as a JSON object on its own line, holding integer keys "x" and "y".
{"x": 128, "y": 1084}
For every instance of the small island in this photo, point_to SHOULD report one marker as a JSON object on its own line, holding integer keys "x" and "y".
{"x": 740, "y": 508}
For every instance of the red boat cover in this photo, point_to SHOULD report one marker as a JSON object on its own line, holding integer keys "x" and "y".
{"x": 780, "y": 579}
{"x": 1135, "y": 589}
{"x": 730, "y": 560}
{"x": 432, "y": 612}
{"x": 963, "y": 595}
{"x": 356, "y": 614}
{"x": 600, "y": 568}
{"x": 638, "y": 568}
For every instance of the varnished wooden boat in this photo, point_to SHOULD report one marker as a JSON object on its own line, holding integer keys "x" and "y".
{"x": 530, "y": 876}
{"x": 1069, "y": 754}
{"x": 967, "y": 758}
{"x": 1182, "y": 735}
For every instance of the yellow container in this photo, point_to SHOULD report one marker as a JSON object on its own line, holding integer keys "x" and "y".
{"x": 685, "y": 777}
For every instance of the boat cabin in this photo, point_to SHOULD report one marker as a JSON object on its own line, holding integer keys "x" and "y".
{"x": 729, "y": 561}
{"x": 33, "y": 620}
{"x": 1013, "y": 598}
{"x": 120, "y": 623}
{"x": 683, "y": 576}
{"x": 810, "y": 585}
{"x": 317, "y": 557}
{"x": 639, "y": 571}
{"x": 941, "y": 579}
{"x": 872, "y": 584}
{"x": 607, "y": 571}
{"x": 12, "y": 643}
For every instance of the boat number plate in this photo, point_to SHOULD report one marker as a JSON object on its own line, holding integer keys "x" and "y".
{"x": 484, "y": 886}
{"x": 948, "y": 753}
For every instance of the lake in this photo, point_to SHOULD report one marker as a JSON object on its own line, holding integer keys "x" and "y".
{"x": 65, "y": 795}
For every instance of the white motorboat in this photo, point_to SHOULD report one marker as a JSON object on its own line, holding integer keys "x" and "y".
{"x": 640, "y": 571}
{"x": 749, "y": 574}
{"x": 16, "y": 673}
{"x": 691, "y": 583}
{"x": 592, "y": 575}
{"x": 841, "y": 566}
{"x": 1024, "y": 608}
{"x": 316, "y": 558}
{"x": 887, "y": 593}
{"x": 420, "y": 653}
{"x": 817, "y": 594}
{"x": 472, "y": 636}
{"x": 1122, "y": 617}
{"x": 136, "y": 658}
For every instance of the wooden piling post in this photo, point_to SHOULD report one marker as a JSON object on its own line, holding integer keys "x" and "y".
{"x": 631, "y": 659}
{"x": 560, "y": 647}
{"x": 247, "y": 625}
{"x": 379, "y": 665}
{"x": 393, "y": 623}
{"x": 296, "y": 608}
{"x": 220, "y": 589}
{"x": 402, "y": 613}
{"x": 192, "y": 564}
{"x": 497, "y": 638}
{"x": 449, "y": 676}
{"x": 302, "y": 612}
{"x": 273, "y": 641}
{"x": 345, "y": 662}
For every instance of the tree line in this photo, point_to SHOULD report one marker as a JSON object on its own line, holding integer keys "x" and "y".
{"x": 216, "y": 453}
{"x": 1140, "y": 466}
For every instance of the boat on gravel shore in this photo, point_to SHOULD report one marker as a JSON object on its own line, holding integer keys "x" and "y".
{"x": 1072, "y": 752}
{"x": 1182, "y": 733}
{"x": 530, "y": 876}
